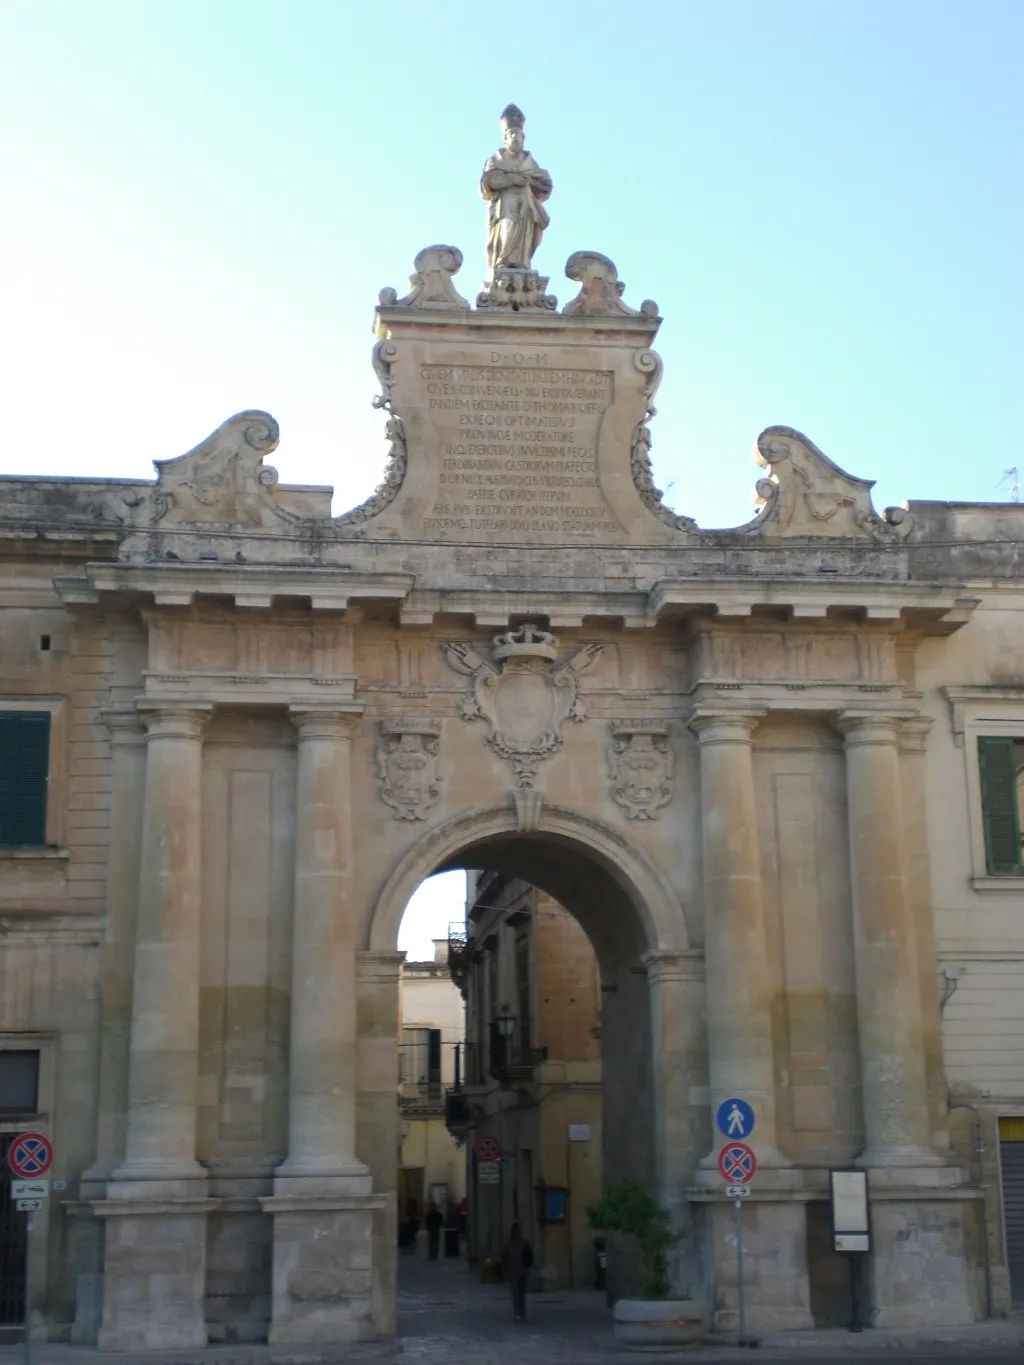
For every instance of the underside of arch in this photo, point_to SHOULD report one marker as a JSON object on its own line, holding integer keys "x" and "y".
{"x": 623, "y": 903}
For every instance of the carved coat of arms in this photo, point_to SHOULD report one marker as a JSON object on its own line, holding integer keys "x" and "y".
{"x": 407, "y": 766}
{"x": 523, "y": 694}
{"x": 641, "y": 767}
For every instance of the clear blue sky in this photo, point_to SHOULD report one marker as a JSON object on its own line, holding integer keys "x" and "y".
{"x": 201, "y": 198}
{"x": 200, "y": 202}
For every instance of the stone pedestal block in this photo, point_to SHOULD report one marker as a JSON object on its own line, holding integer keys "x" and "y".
{"x": 920, "y": 1271}
{"x": 776, "y": 1286}
{"x": 323, "y": 1269}
{"x": 155, "y": 1275}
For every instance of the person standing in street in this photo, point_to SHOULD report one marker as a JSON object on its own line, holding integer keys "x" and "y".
{"x": 434, "y": 1222}
{"x": 516, "y": 1262}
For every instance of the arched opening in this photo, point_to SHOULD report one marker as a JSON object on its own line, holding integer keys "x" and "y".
{"x": 553, "y": 969}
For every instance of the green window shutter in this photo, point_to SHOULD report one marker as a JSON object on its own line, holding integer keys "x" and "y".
{"x": 24, "y": 767}
{"x": 999, "y": 804}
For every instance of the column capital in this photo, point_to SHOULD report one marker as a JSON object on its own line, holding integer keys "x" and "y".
{"x": 325, "y": 722}
{"x": 124, "y": 724}
{"x": 724, "y": 725}
{"x": 386, "y": 967}
{"x": 173, "y": 719}
{"x": 674, "y": 964}
{"x": 914, "y": 734}
{"x": 869, "y": 727}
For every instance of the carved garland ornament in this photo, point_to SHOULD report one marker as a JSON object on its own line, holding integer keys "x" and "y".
{"x": 526, "y": 697}
{"x": 407, "y": 757}
{"x": 641, "y": 766}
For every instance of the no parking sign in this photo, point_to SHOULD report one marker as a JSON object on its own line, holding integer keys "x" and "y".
{"x": 30, "y": 1155}
{"x": 737, "y": 1163}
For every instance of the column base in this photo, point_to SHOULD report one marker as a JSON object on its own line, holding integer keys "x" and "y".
{"x": 920, "y": 1268}
{"x": 323, "y": 1268}
{"x": 776, "y": 1285}
{"x": 919, "y": 1157}
{"x": 300, "y": 1180}
{"x": 154, "y": 1274}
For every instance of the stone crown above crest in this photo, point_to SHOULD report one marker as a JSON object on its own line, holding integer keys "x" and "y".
{"x": 526, "y": 642}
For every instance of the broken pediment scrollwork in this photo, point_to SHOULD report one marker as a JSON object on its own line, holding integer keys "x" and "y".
{"x": 601, "y": 289}
{"x": 641, "y": 766}
{"x": 805, "y": 494}
{"x": 431, "y": 282}
{"x": 407, "y": 758}
{"x": 394, "y": 433}
{"x": 649, "y": 363}
{"x": 523, "y": 694}
{"x": 223, "y": 480}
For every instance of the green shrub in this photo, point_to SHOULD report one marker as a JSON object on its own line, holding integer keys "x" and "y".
{"x": 628, "y": 1207}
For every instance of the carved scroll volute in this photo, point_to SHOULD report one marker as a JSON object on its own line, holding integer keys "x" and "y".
{"x": 223, "y": 480}
{"x": 641, "y": 766}
{"x": 407, "y": 766}
{"x": 805, "y": 494}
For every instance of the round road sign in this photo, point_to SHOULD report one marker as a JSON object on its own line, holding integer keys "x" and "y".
{"x": 30, "y": 1155}
{"x": 737, "y": 1163}
{"x": 488, "y": 1149}
{"x": 735, "y": 1119}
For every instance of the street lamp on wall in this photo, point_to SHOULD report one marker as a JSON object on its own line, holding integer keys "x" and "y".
{"x": 506, "y": 1022}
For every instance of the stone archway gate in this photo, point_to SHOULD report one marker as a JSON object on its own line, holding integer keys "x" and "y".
{"x": 308, "y": 713}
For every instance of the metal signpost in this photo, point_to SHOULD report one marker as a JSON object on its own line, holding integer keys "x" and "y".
{"x": 737, "y": 1164}
{"x": 851, "y": 1229}
{"x": 29, "y": 1156}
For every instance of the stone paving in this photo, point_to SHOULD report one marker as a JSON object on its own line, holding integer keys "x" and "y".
{"x": 446, "y": 1317}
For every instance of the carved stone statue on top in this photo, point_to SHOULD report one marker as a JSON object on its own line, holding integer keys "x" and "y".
{"x": 515, "y": 188}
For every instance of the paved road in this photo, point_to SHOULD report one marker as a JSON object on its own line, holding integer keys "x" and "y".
{"x": 445, "y": 1317}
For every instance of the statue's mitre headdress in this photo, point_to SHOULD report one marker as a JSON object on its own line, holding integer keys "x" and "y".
{"x": 513, "y": 117}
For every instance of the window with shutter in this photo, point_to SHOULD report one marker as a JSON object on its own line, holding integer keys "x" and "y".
{"x": 24, "y": 768}
{"x": 998, "y": 765}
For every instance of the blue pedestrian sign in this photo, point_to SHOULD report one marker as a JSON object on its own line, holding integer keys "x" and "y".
{"x": 735, "y": 1119}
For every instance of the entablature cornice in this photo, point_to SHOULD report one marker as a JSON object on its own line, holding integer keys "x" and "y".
{"x": 250, "y": 689}
{"x": 964, "y": 699}
{"x": 935, "y": 609}
{"x": 256, "y": 587}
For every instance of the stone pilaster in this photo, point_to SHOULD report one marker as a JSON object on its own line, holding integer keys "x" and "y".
{"x": 889, "y": 1024}
{"x": 155, "y": 1210}
{"x": 377, "y": 1130}
{"x": 128, "y": 781}
{"x": 738, "y": 989}
{"x": 322, "y": 1205}
{"x": 913, "y": 737}
{"x": 128, "y": 776}
{"x": 681, "y": 1115}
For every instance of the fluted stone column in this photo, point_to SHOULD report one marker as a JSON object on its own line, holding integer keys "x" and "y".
{"x": 160, "y": 1135}
{"x": 896, "y": 1113}
{"x": 322, "y": 1062}
{"x": 738, "y": 988}
{"x": 326, "y": 1253}
{"x": 154, "y": 1279}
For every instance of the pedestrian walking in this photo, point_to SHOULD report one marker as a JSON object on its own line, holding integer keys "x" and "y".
{"x": 434, "y": 1222}
{"x": 516, "y": 1262}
